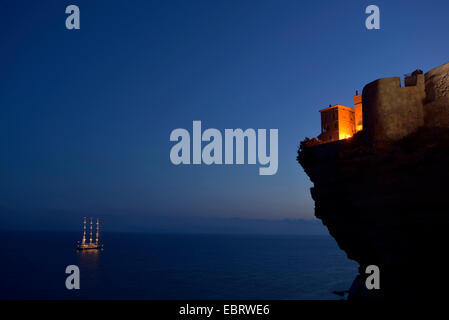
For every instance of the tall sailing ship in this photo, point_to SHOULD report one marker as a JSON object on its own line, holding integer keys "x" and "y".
{"x": 84, "y": 245}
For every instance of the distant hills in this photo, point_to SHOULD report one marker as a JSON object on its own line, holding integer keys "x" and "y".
{"x": 58, "y": 220}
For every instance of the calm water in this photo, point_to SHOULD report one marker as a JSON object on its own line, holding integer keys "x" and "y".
{"x": 145, "y": 266}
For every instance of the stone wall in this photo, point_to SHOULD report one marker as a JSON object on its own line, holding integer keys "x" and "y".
{"x": 358, "y": 112}
{"x": 391, "y": 112}
{"x": 436, "y": 107}
{"x": 437, "y": 83}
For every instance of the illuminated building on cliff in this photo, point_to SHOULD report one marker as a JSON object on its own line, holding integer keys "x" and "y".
{"x": 391, "y": 111}
{"x": 341, "y": 122}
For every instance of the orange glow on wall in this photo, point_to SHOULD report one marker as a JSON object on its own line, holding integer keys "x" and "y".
{"x": 337, "y": 123}
{"x": 358, "y": 112}
{"x": 340, "y": 122}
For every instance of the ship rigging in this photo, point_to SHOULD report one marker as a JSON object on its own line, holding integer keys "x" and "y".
{"x": 84, "y": 245}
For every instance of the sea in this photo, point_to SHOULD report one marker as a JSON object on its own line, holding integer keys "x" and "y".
{"x": 174, "y": 266}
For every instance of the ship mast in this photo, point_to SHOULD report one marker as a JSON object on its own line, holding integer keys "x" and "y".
{"x": 90, "y": 240}
{"x": 98, "y": 231}
{"x": 84, "y": 232}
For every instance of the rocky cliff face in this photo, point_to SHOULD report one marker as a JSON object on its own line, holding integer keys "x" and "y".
{"x": 388, "y": 205}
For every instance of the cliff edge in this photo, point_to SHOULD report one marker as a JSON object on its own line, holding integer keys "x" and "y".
{"x": 383, "y": 193}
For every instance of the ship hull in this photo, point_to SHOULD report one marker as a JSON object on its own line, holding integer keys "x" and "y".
{"x": 89, "y": 248}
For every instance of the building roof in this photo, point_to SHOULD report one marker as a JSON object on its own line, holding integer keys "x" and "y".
{"x": 337, "y": 106}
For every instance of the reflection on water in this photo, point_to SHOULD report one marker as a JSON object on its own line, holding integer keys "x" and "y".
{"x": 88, "y": 259}
{"x": 90, "y": 270}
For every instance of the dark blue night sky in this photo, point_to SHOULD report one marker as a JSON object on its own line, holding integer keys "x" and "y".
{"x": 86, "y": 115}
